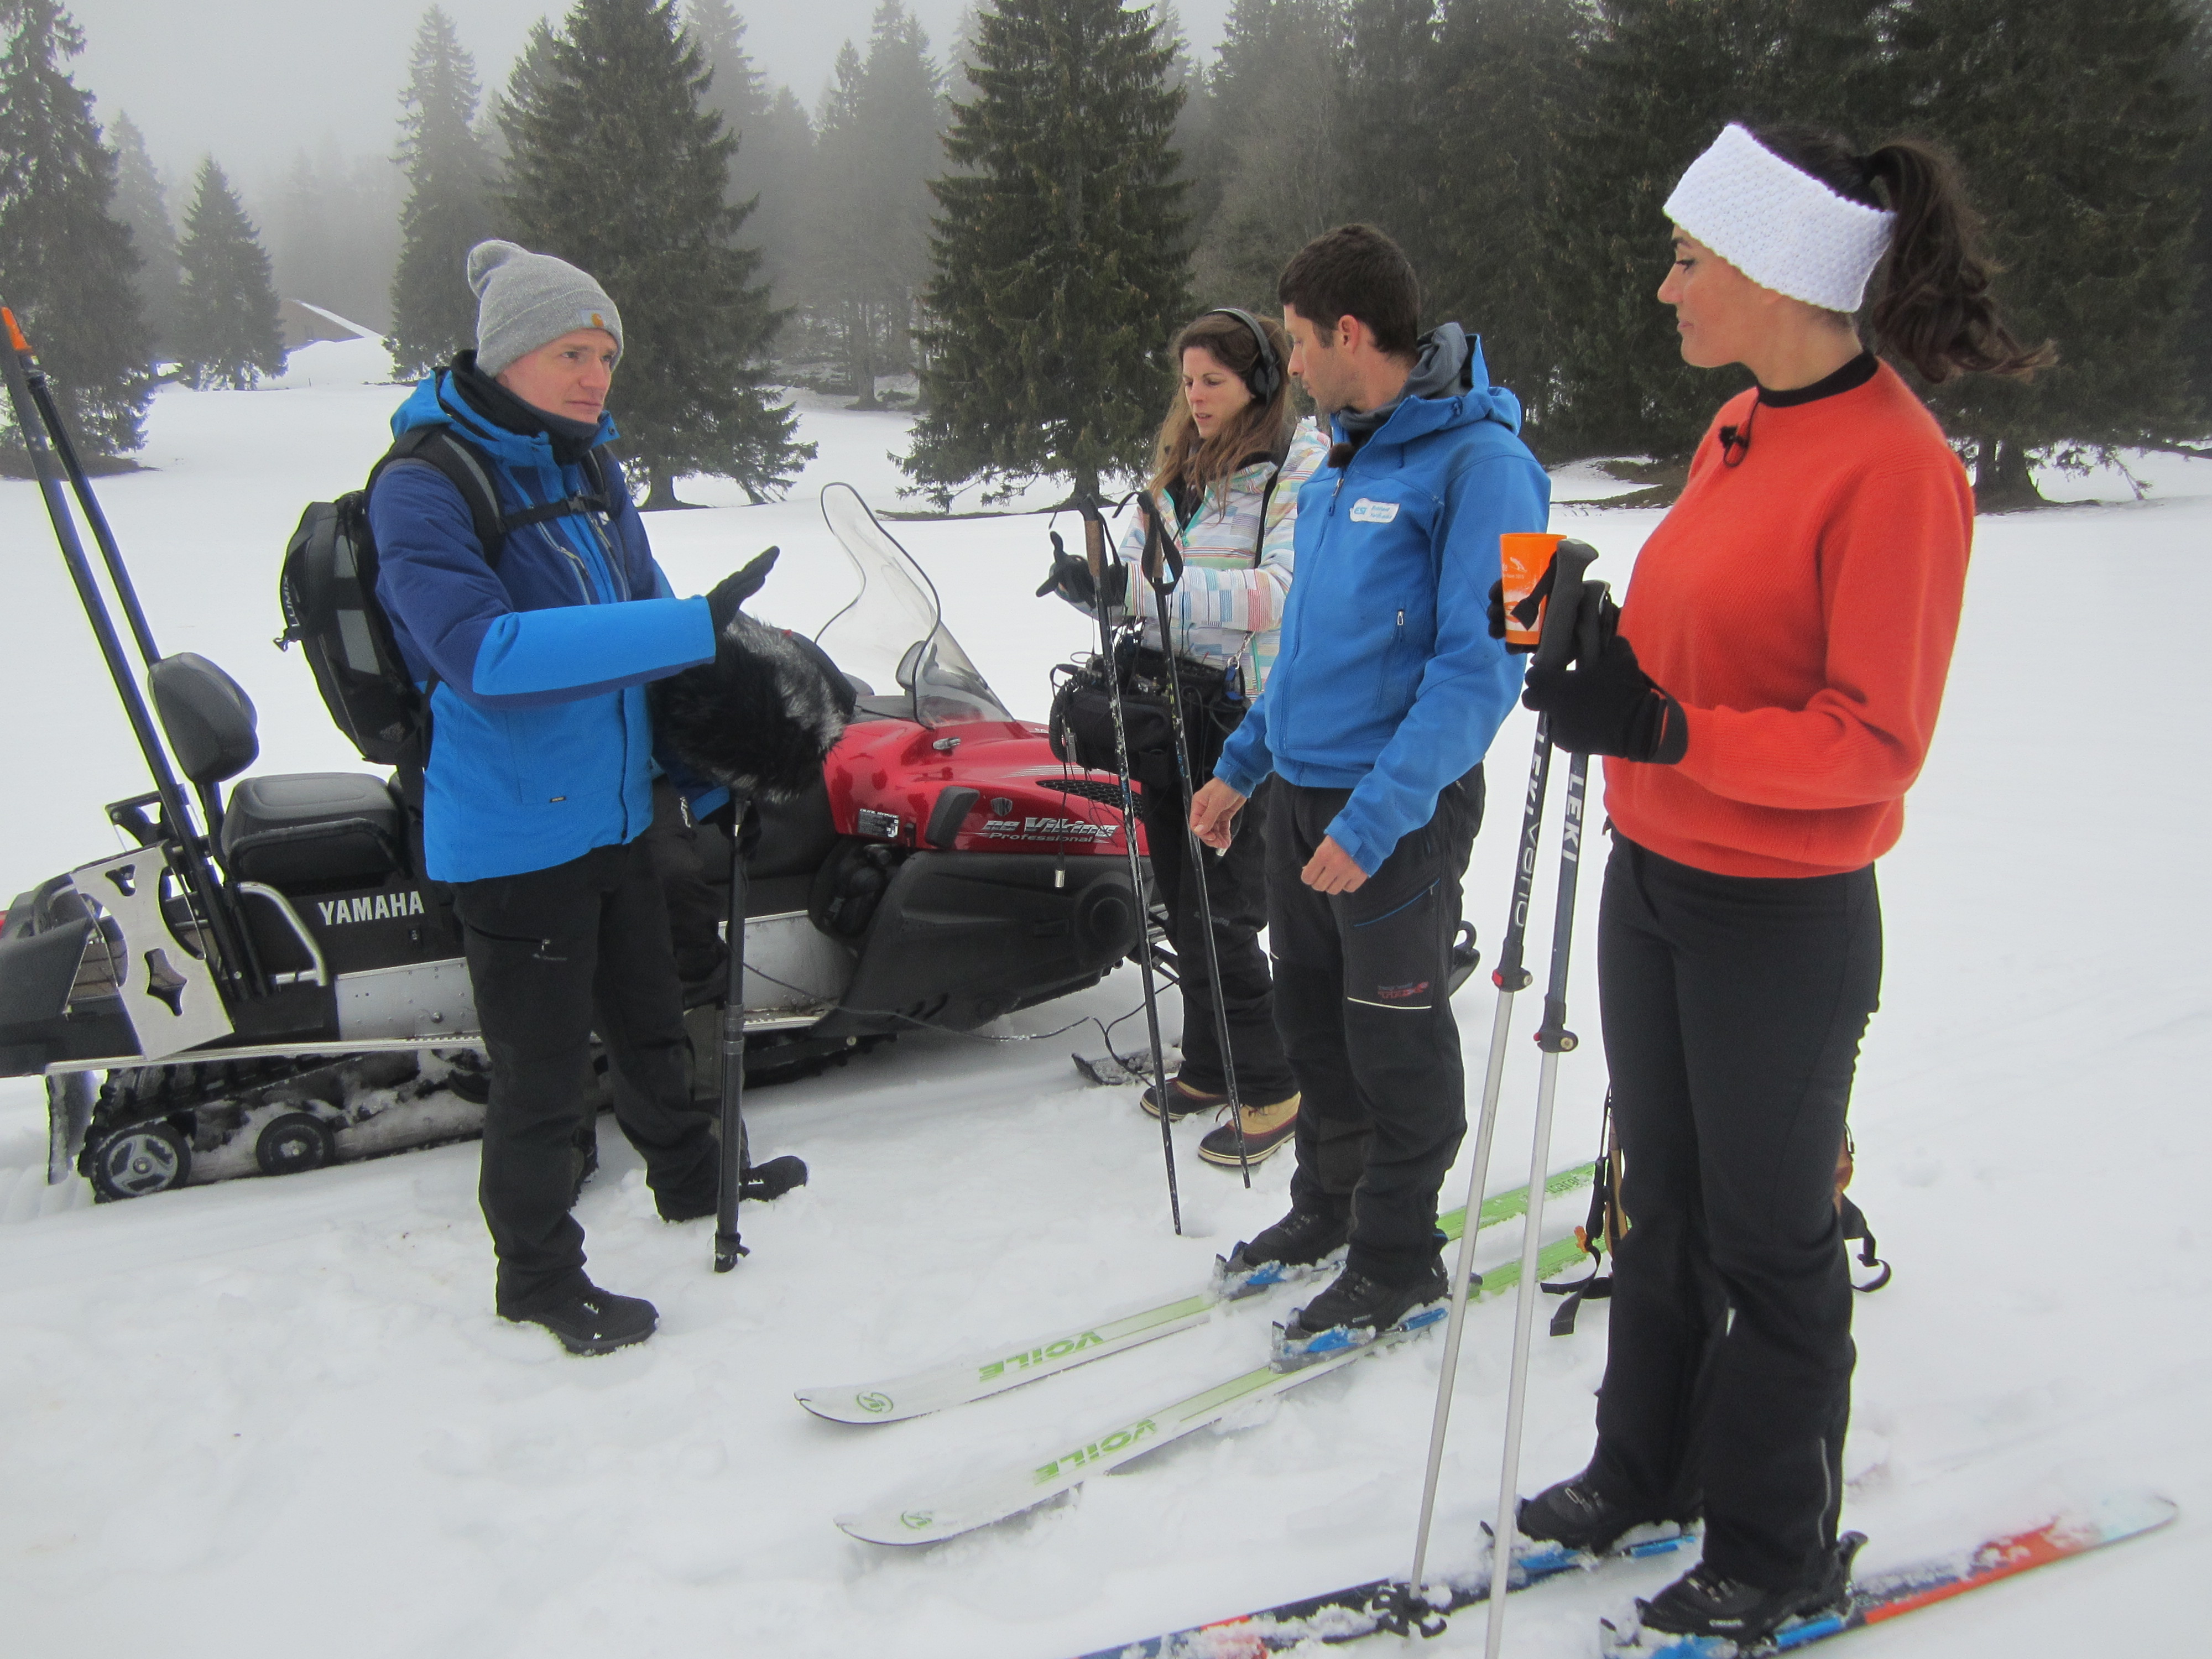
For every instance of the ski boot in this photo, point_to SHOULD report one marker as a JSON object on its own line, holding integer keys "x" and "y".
{"x": 590, "y": 1320}
{"x": 1355, "y": 1310}
{"x": 1574, "y": 1524}
{"x": 1705, "y": 1612}
{"x": 1299, "y": 1244}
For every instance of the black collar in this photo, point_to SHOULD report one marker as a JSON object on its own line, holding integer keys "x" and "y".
{"x": 572, "y": 439}
{"x": 1849, "y": 378}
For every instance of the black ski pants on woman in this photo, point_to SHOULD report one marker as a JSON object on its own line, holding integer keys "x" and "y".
{"x": 1362, "y": 999}
{"x": 555, "y": 955}
{"x": 1236, "y": 884}
{"x": 1733, "y": 1010}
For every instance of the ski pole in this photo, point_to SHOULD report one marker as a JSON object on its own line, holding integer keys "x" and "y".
{"x": 1511, "y": 977}
{"x": 727, "y": 1247}
{"x": 1095, "y": 551}
{"x": 1569, "y": 597}
{"x": 1156, "y": 539}
{"x": 81, "y": 485}
{"x": 38, "y": 424}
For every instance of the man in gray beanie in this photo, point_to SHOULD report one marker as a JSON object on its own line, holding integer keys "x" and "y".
{"x": 535, "y": 656}
{"x": 526, "y": 299}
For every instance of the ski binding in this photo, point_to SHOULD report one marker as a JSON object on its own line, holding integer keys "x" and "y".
{"x": 1293, "y": 1353}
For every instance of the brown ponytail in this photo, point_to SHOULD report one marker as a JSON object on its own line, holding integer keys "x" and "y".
{"x": 1930, "y": 298}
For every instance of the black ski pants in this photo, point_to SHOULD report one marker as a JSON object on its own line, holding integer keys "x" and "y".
{"x": 1236, "y": 883}
{"x": 1732, "y": 1011}
{"x": 555, "y": 955}
{"x": 1362, "y": 1000}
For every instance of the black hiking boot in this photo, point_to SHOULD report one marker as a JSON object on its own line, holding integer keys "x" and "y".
{"x": 1575, "y": 1515}
{"x": 1183, "y": 1100}
{"x": 1357, "y": 1302}
{"x": 590, "y": 1320}
{"x": 1706, "y": 1603}
{"x": 1298, "y": 1240}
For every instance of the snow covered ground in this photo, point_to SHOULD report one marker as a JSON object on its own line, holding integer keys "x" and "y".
{"x": 267, "y": 1417}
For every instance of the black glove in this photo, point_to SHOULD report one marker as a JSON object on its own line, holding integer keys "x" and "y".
{"x": 740, "y": 584}
{"x": 1524, "y": 613}
{"x": 1072, "y": 580}
{"x": 1609, "y": 706}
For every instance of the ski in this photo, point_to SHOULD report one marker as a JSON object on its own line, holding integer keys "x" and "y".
{"x": 896, "y": 1399}
{"x": 1379, "y": 1605}
{"x": 1885, "y": 1595}
{"x": 1005, "y": 1492}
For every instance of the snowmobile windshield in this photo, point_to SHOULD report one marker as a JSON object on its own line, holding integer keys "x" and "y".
{"x": 891, "y": 634}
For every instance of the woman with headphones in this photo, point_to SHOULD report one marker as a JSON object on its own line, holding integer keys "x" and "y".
{"x": 1226, "y": 470}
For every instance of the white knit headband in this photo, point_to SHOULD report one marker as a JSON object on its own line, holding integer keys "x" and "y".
{"x": 1782, "y": 228}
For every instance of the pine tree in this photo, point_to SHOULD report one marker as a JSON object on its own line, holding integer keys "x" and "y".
{"x": 448, "y": 209}
{"x": 332, "y": 232}
{"x": 775, "y": 144}
{"x": 1059, "y": 269}
{"x": 228, "y": 330}
{"x": 2070, "y": 121}
{"x": 2197, "y": 165}
{"x": 615, "y": 166}
{"x": 876, "y": 147}
{"x": 1275, "y": 161}
{"x": 66, "y": 267}
{"x": 1664, "y": 77}
{"x": 1501, "y": 93}
{"x": 143, "y": 205}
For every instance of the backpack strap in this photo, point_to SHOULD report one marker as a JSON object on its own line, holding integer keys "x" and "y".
{"x": 464, "y": 466}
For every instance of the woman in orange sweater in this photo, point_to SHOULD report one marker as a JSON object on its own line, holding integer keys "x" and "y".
{"x": 1766, "y": 700}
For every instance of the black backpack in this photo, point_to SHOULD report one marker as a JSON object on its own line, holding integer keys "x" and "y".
{"x": 328, "y": 592}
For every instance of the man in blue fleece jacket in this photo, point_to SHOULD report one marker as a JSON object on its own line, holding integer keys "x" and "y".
{"x": 538, "y": 783}
{"x": 1375, "y": 722}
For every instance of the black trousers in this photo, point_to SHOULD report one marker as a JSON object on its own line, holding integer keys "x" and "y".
{"x": 1732, "y": 1011}
{"x": 555, "y": 955}
{"x": 1362, "y": 1000}
{"x": 1236, "y": 883}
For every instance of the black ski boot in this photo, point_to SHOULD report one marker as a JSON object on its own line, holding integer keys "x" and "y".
{"x": 590, "y": 1320}
{"x": 1356, "y": 1303}
{"x": 1575, "y": 1514}
{"x": 1298, "y": 1240}
{"x": 1705, "y": 1602}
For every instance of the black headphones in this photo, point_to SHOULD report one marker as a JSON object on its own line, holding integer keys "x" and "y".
{"x": 1266, "y": 379}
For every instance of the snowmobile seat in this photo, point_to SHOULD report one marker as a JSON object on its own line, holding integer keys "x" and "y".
{"x": 207, "y": 715}
{"x": 313, "y": 829}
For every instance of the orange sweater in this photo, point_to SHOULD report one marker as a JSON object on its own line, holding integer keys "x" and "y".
{"x": 1801, "y": 605}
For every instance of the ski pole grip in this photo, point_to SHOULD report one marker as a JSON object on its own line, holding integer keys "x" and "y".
{"x": 1162, "y": 556}
{"x": 16, "y": 340}
{"x": 1563, "y": 608}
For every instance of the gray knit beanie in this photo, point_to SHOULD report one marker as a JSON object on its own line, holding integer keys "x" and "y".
{"x": 525, "y": 299}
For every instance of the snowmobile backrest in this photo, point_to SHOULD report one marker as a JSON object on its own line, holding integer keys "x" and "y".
{"x": 328, "y": 592}
{"x": 209, "y": 718}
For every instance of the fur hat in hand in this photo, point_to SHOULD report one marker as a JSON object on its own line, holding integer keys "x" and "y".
{"x": 761, "y": 717}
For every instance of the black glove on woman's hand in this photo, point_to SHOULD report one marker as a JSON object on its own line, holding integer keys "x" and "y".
{"x": 1609, "y": 706}
{"x": 740, "y": 584}
{"x": 1072, "y": 580}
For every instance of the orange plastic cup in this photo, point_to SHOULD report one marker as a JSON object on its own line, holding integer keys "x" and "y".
{"x": 1524, "y": 556}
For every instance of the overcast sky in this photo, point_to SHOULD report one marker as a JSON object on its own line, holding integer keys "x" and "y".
{"x": 255, "y": 80}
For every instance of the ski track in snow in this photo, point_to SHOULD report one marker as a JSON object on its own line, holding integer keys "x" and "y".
{"x": 260, "y": 1415}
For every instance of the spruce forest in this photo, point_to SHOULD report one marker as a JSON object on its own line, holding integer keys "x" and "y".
{"x": 1003, "y": 230}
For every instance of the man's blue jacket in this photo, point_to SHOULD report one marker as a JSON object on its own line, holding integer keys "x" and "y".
{"x": 541, "y": 746}
{"x": 1388, "y": 684}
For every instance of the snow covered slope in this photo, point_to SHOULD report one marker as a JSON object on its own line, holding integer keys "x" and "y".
{"x": 277, "y": 1416}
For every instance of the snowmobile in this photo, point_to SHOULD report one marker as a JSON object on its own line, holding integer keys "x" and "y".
{"x": 265, "y": 982}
